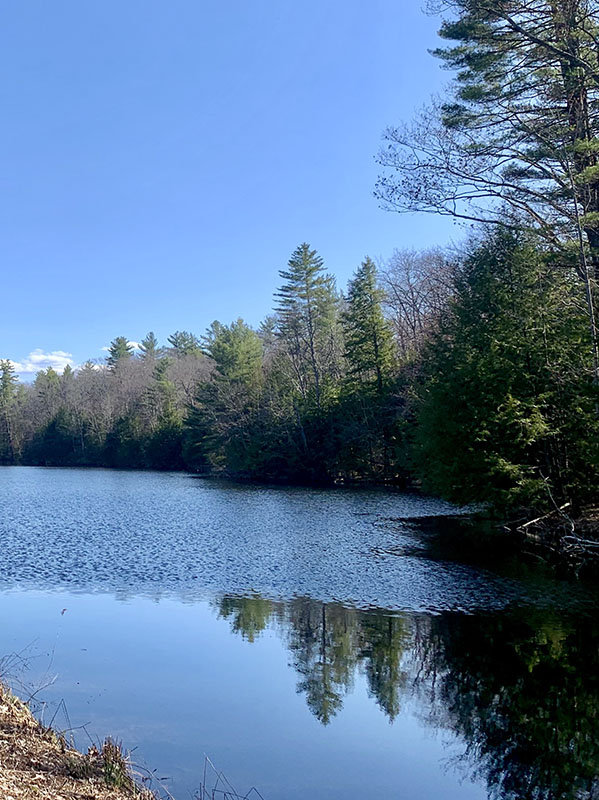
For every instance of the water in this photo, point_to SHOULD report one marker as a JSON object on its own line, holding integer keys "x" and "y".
{"x": 312, "y": 643}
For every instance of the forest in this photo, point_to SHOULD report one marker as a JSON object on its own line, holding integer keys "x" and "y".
{"x": 466, "y": 373}
{"x": 472, "y": 372}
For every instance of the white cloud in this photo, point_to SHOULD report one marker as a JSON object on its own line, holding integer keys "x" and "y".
{"x": 39, "y": 359}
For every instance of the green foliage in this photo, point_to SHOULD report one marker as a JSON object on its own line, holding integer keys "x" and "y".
{"x": 124, "y": 444}
{"x": 184, "y": 343}
{"x": 115, "y": 766}
{"x": 306, "y": 324}
{"x": 519, "y": 689}
{"x": 493, "y": 400}
{"x": 68, "y": 376}
{"x": 522, "y": 692}
{"x": 501, "y": 413}
{"x": 222, "y": 426}
{"x": 8, "y": 380}
{"x": 56, "y": 443}
{"x": 249, "y": 615}
{"x": 368, "y": 337}
{"x": 514, "y": 142}
{"x": 164, "y": 448}
{"x": 268, "y": 411}
{"x": 120, "y": 350}
{"x": 8, "y": 394}
{"x": 236, "y": 350}
{"x": 328, "y": 644}
{"x": 148, "y": 347}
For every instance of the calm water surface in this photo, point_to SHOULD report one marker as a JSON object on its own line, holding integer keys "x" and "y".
{"x": 312, "y": 643}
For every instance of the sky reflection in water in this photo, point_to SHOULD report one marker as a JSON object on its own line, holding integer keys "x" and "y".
{"x": 266, "y": 646}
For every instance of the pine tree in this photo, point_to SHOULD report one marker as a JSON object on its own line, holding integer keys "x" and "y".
{"x": 8, "y": 382}
{"x": 184, "y": 343}
{"x": 368, "y": 337}
{"x": 87, "y": 368}
{"x": 222, "y": 427}
{"x": 501, "y": 413}
{"x": 517, "y": 140}
{"x": 307, "y": 312}
{"x": 520, "y": 119}
{"x": 159, "y": 399}
{"x": 148, "y": 348}
{"x": 120, "y": 350}
{"x": 163, "y": 449}
{"x": 47, "y": 386}
{"x": 237, "y": 352}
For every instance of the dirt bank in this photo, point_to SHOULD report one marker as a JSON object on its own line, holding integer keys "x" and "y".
{"x": 37, "y": 764}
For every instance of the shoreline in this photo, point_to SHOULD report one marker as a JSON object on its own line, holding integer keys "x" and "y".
{"x": 37, "y": 763}
{"x": 563, "y": 539}
{"x": 340, "y": 482}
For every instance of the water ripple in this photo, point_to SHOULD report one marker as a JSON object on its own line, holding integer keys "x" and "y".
{"x": 160, "y": 534}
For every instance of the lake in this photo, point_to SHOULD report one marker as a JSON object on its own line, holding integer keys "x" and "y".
{"x": 313, "y": 643}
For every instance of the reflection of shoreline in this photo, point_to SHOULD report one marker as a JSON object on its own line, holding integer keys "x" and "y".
{"x": 328, "y": 643}
{"x": 520, "y": 688}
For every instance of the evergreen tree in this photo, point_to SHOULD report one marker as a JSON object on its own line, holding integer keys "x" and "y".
{"x": 322, "y": 644}
{"x": 521, "y": 690}
{"x": 161, "y": 392}
{"x": 148, "y": 348}
{"x": 519, "y": 131}
{"x": 120, "y": 350}
{"x": 223, "y": 426}
{"x": 87, "y": 368}
{"x": 249, "y": 615}
{"x": 268, "y": 335}
{"x": 363, "y": 420}
{"x": 47, "y": 388}
{"x": 368, "y": 337}
{"x": 67, "y": 385}
{"x": 502, "y": 414}
{"x": 184, "y": 343}
{"x": 8, "y": 382}
{"x": 521, "y": 116}
{"x": 307, "y": 311}
{"x": 55, "y": 444}
{"x": 236, "y": 350}
{"x": 164, "y": 448}
{"x": 385, "y": 638}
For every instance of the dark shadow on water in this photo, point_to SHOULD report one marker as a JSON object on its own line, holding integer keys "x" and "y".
{"x": 480, "y": 541}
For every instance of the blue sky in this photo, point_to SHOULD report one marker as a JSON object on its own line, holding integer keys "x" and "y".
{"x": 161, "y": 161}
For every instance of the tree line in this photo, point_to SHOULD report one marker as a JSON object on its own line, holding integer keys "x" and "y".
{"x": 309, "y": 395}
{"x": 466, "y": 372}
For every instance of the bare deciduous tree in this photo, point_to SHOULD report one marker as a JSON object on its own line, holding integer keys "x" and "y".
{"x": 417, "y": 286}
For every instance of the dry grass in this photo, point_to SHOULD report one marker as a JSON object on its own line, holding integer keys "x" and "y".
{"x": 36, "y": 764}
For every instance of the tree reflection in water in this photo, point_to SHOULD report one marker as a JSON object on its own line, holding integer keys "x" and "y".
{"x": 519, "y": 687}
{"x": 522, "y": 690}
